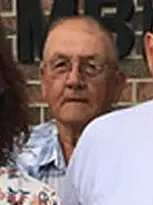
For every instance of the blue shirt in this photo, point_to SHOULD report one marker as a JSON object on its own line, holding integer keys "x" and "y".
{"x": 42, "y": 157}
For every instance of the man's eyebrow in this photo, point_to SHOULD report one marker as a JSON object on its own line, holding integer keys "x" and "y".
{"x": 90, "y": 57}
{"x": 93, "y": 57}
{"x": 58, "y": 55}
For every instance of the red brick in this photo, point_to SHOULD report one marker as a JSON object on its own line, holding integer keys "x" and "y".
{"x": 47, "y": 114}
{"x": 31, "y": 71}
{"x": 144, "y": 91}
{"x": 34, "y": 115}
{"x": 34, "y": 94}
{"x": 10, "y": 25}
{"x": 127, "y": 93}
{"x": 6, "y": 5}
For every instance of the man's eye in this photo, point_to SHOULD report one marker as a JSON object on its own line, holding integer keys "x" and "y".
{"x": 60, "y": 64}
{"x": 92, "y": 69}
{"x": 91, "y": 65}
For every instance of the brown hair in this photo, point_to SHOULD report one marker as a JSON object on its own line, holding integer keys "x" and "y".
{"x": 13, "y": 102}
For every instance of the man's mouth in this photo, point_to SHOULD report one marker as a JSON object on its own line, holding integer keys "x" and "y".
{"x": 76, "y": 100}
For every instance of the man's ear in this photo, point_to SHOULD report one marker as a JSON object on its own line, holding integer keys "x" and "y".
{"x": 148, "y": 45}
{"x": 42, "y": 81}
{"x": 41, "y": 68}
{"x": 120, "y": 85}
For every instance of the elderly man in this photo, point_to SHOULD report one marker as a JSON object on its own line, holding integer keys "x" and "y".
{"x": 113, "y": 161}
{"x": 79, "y": 79}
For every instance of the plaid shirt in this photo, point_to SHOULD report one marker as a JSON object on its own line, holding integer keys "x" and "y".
{"x": 42, "y": 156}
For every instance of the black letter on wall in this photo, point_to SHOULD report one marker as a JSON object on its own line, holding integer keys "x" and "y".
{"x": 62, "y": 8}
{"x": 29, "y": 30}
{"x": 116, "y": 23}
{"x": 148, "y": 16}
{"x": 126, "y": 38}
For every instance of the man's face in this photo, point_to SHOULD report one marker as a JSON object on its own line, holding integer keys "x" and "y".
{"x": 73, "y": 50}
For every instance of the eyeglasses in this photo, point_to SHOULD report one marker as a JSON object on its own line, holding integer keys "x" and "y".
{"x": 87, "y": 66}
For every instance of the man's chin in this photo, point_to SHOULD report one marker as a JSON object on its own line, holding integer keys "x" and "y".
{"x": 75, "y": 116}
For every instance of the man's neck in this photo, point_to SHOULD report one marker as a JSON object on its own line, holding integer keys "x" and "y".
{"x": 68, "y": 136}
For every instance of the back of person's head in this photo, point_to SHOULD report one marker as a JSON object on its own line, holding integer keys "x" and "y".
{"x": 13, "y": 100}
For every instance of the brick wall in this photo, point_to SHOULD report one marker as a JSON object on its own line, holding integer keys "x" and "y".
{"x": 139, "y": 84}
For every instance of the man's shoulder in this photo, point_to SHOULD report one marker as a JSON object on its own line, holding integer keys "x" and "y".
{"x": 40, "y": 146}
{"x": 47, "y": 126}
{"x": 42, "y": 137}
{"x": 44, "y": 130}
{"x": 137, "y": 113}
{"x": 130, "y": 122}
{"x": 115, "y": 133}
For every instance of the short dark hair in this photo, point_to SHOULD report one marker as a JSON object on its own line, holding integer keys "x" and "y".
{"x": 13, "y": 102}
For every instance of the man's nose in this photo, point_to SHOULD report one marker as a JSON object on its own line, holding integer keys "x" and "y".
{"x": 75, "y": 78}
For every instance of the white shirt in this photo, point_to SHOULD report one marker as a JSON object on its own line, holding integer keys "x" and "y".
{"x": 113, "y": 161}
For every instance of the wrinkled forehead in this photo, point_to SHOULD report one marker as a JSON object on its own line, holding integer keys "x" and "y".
{"x": 74, "y": 39}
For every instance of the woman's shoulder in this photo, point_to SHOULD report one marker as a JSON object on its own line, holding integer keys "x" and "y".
{"x": 17, "y": 187}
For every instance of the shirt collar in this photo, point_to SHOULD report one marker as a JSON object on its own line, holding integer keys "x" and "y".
{"x": 53, "y": 153}
{"x": 43, "y": 149}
